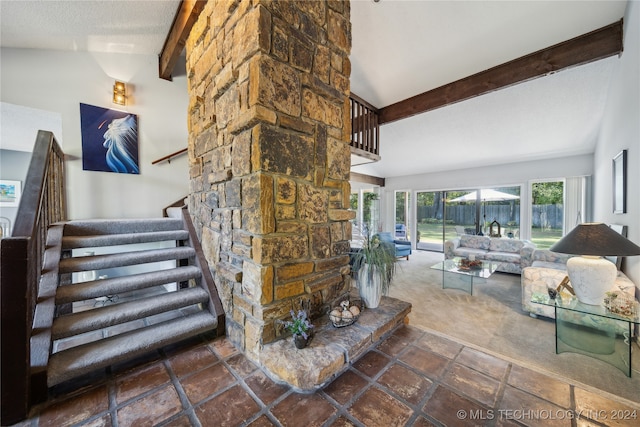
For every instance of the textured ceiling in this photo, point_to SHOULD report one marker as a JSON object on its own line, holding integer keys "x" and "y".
{"x": 133, "y": 26}
{"x": 400, "y": 48}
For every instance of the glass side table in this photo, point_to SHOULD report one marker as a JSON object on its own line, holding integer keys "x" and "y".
{"x": 456, "y": 277}
{"x": 592, "y": 330}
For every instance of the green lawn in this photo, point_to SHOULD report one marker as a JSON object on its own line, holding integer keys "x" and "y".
{"x": 543, "y": 239}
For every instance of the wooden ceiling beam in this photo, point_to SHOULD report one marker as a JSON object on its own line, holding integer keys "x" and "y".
{"x": 185, "y": 18}
{"x": 367, "y": 179}
{"x": 598, "y": 44}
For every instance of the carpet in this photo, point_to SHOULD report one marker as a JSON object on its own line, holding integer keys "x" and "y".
{"x": 493, "y": 321}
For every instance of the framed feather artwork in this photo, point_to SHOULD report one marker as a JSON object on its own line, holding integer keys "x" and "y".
{"x": 109, "y": 140}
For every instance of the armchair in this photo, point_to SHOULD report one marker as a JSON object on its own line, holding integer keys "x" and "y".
{"x": 402, "y": 247}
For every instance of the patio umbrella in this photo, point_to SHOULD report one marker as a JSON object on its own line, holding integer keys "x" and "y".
{"x": 486, "y": 195}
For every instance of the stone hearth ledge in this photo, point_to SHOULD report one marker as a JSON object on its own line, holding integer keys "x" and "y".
{"x": 332, "y": 349}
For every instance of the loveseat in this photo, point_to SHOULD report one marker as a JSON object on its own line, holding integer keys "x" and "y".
{"x": 512, "y": 254}
{"x": 548, "y": 269}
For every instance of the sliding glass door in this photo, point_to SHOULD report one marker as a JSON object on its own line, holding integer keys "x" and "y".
{"x": 547, "y": 213}
{"x": 443, "y": 215}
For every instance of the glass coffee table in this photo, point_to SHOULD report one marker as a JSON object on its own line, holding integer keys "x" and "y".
{"x": 592, "y": 330}
{"x": 454, "y": 276}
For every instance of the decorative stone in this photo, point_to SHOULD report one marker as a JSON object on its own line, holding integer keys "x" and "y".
{"x": 294, "y": 270}
{"x": 312, "y": 204}
{"x": 289, "y": 290}
{"x": 274, "y": 85}
{"x": 285, "y": 190}
{"x": 276, "y": 248}
{"x": 279, "y": 151}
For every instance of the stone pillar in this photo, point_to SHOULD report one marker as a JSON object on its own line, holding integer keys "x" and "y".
{"x": 269, "y": 127}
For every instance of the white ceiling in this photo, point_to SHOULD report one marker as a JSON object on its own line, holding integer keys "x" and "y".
{"x": 400, "y": 48}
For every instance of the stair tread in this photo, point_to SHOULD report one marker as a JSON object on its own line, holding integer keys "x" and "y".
{"x": 101, "y": 240}
{"x": 97, "y": 262}
{"x": 76, "y": 361}
{"x": 98, "y": 318}
{"x": 117, "y": 285}
{"x": 120, "y": 226}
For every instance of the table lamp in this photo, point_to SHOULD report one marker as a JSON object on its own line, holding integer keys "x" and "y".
{"x": 591, "y": 275}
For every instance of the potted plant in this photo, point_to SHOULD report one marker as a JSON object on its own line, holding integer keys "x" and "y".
{"x": 300, "y": 327}
{"x": 375, "y": 265}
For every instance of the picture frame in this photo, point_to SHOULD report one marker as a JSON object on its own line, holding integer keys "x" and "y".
{"x": 10, "y": 193}
{"x": 620, "y": 183}
{"x": 109, "y": 140}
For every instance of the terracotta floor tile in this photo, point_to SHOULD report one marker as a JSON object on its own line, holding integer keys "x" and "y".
{"x": 472, "y": 383}
{"x": 151, "y": 409}
{"x": 230, "y": 408}
{"x": 103, "y": 421}
{"x": 262, "y": 421}
{"x": 308, "y": 410}
{"x": 393, "y": 345}
{"x": 530, "y": 410}
{"x": 439, "y": 345}
{"x": 452, "y": 409}
{"x": 223, "y": 347}
{"x": 345, "y": 387}
{"x": 371, "y": 363}
{"x": 265, "y": 388}
{"x": 342, "y": 422}
{"x": 405, "y": 383}
{"x": 182, "y": 421}
{"x": 377, "y": 408}
{"x": 192, "y": 360}
{"x": 241, "y": 365}
{"x": 75, "y": 409}
{"x": 422, "y": 422}
{"x": 141, "y": 381}
{"x": 431, "y": 364}
{"x": 409, "y": 333}
{"x": 541, "y": 385}
{"x": 483, "y": 362}
{"x": 207, "y": 382}
{"x": 599, "y": 408}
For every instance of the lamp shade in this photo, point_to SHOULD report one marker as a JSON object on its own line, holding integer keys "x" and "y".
{"x": 595, "y": 239}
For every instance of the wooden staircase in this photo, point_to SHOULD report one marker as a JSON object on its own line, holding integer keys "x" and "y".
{"x": 170, "y": 288}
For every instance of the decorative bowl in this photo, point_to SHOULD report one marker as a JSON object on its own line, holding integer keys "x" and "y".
{"x": 339, "y": 317}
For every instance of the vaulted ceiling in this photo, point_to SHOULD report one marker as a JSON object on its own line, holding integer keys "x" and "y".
{"x": 401, "y": 48}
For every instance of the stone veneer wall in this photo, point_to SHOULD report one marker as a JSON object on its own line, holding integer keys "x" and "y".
{"x": 269, "y": 127}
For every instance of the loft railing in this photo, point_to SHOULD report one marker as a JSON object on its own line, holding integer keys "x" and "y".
{"x": 21, "y": 259}
{"x": 365, "y": 128}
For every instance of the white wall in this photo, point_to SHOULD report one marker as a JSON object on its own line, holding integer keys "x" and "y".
{"x": 509, "y": 175}
{"x": 58, "y": 81}
{"x": 621, "y": 130}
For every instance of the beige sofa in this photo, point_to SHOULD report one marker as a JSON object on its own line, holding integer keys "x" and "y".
{"x": 512, "y": 254}
{"x": 548, "y": 269}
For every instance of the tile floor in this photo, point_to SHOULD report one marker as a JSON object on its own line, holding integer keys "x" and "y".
{"x": 411, "y": 378}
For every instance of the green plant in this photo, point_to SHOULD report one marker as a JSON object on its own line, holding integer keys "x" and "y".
{"x": 379, "y": 255}
{"x": 299, "y": 324}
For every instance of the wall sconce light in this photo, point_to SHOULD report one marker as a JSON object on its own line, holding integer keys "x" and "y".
{"x": 119, "y": 93}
